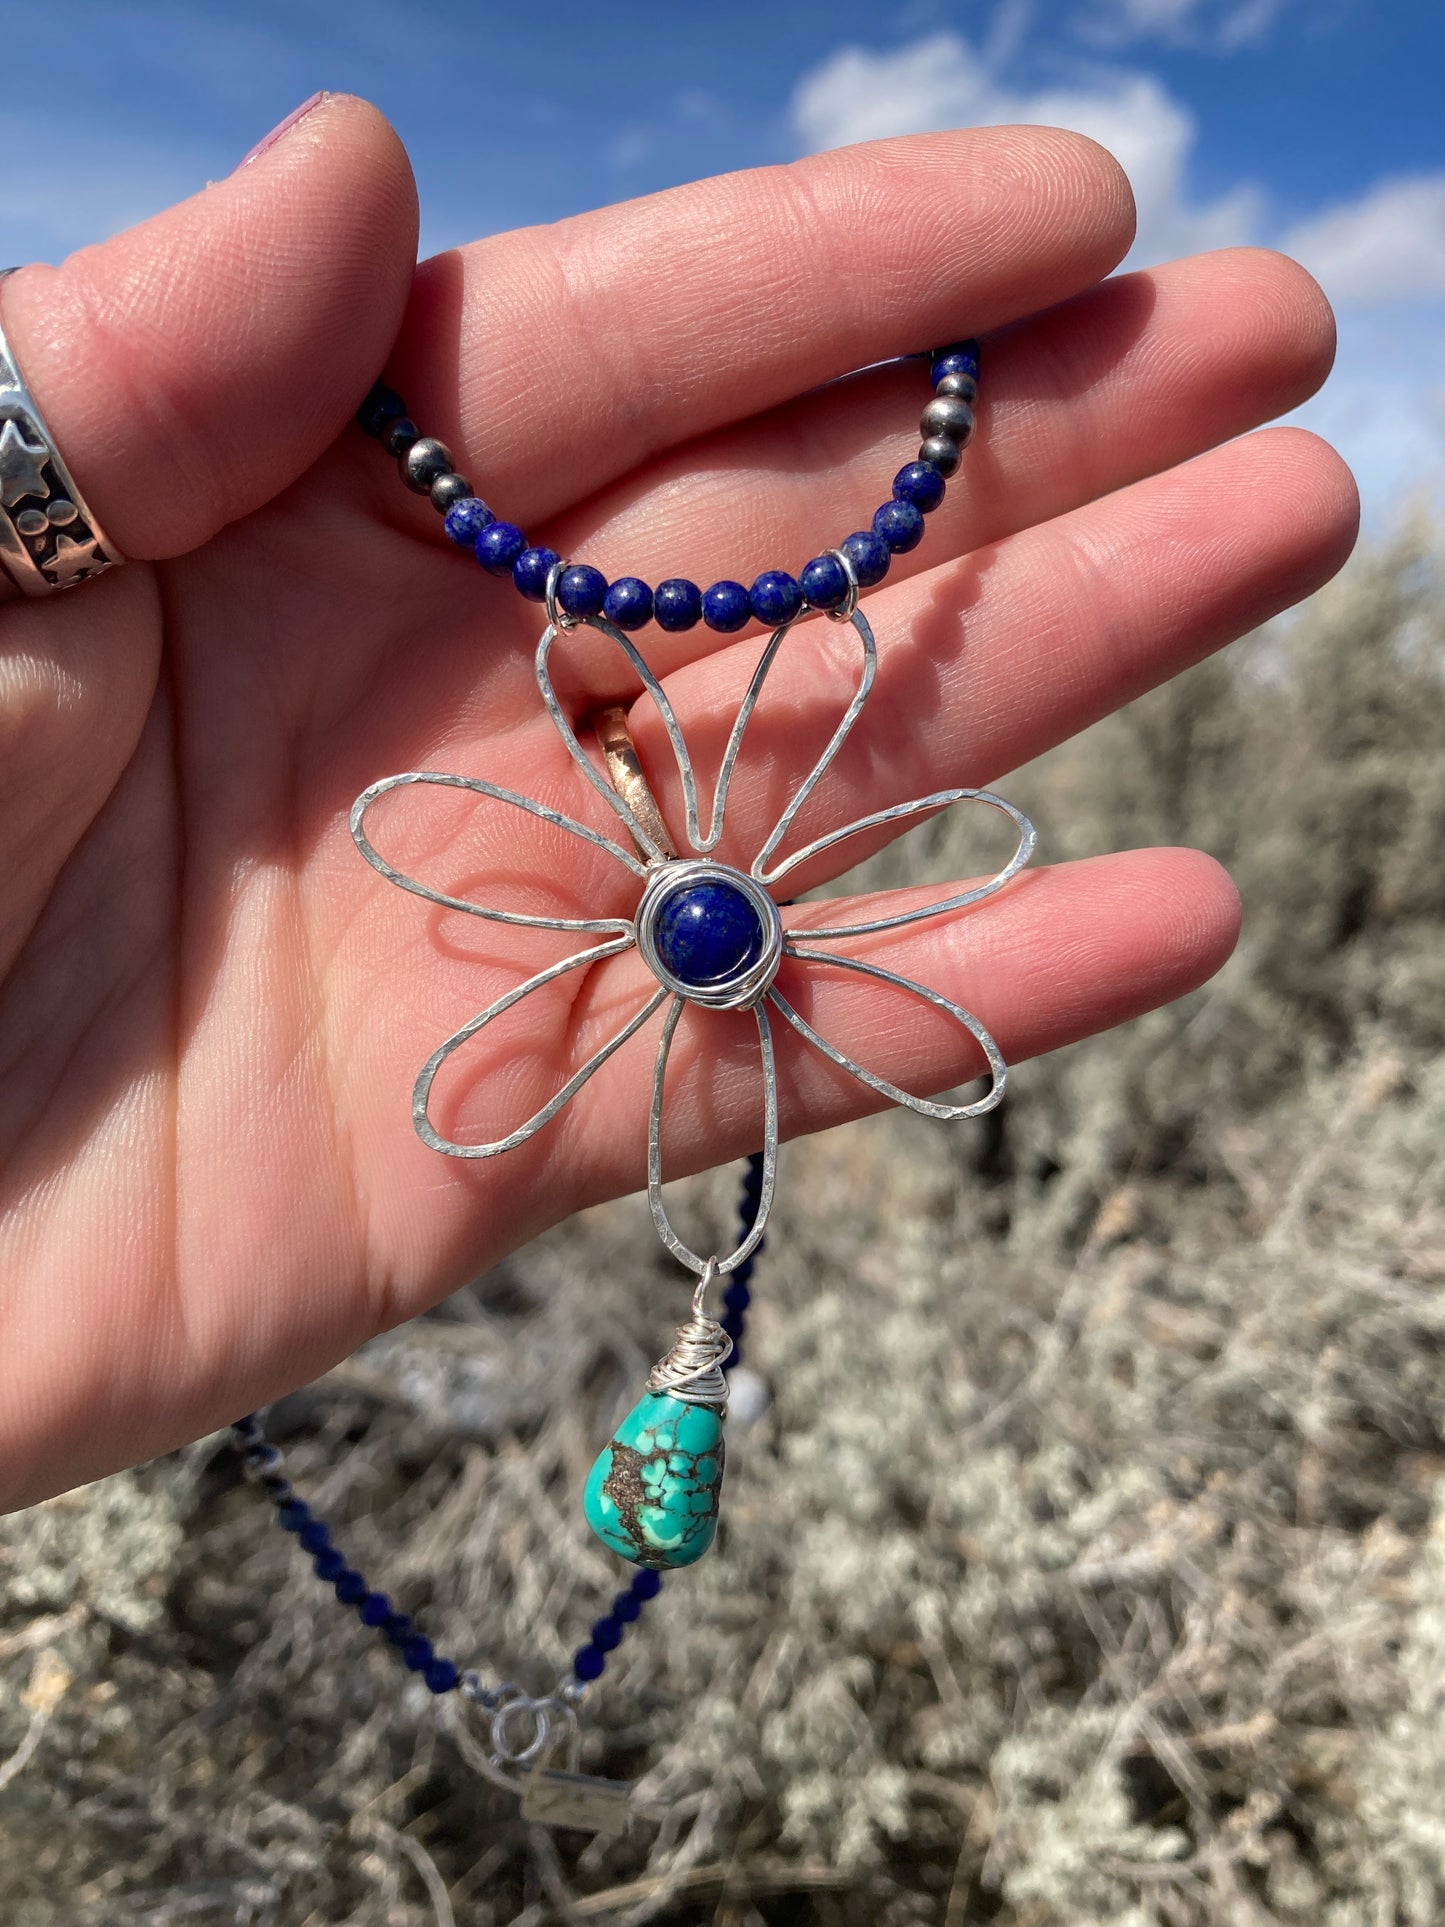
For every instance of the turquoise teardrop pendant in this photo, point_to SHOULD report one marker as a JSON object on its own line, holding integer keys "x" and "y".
{"x": 652, "y": 1495}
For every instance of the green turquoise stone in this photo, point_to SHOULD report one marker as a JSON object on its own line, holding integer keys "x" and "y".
{"x": 653, "y": 1493}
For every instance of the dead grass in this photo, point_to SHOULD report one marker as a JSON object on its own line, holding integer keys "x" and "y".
{"x": 1099, "y": 1580}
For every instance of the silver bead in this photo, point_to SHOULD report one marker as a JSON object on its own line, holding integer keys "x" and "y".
{"x": 963, "y": 387}
{"x": 423, "y": 462}
{"x": 941, "y": 452}
{"x": 946, "y": 415}
{"x": 447, "y": 489}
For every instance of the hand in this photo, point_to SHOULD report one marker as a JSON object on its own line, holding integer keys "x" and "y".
{"x": 212, "y": 1011}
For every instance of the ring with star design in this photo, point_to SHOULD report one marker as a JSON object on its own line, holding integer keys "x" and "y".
{"x": 49, "y": 540}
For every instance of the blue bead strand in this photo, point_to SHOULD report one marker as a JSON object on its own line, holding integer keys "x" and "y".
{"x": 678, "y": 604}
{"x": 261, "y": 1462}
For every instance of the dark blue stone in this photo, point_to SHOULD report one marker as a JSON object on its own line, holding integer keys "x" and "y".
{"x": 399, "y": 1628}
{"x": 626, "y": 1607}
{"x": 737, "y": 1297}
{"x": 315, "y": 1535}
{"x": 498, "y": 546}
{"x": 381, "y": 407}
{"x": 581, "y": 590}
{"x": 959, "y": 359}
{"x": 530, "y": 572}
{"x": 776, "y": 598}
{"x": 708, "y": 933}
{"x": 677, "y": 604}
{"x": 375, "y": 1609}
{"x": 294, "y": 1515}
{"x": 465, "y": 521}
{"x": 607, "y": 1634}
{"x": 825, "y": 582}
{"x": 900, "y": 524}
{"x": 646, "y": 1583}
{"x": 628, "y": 603}
{"x": 418, "y": 1654}
{"x": 725, "y": 607}
{"x": 588, "y": 1663}
{"x": 920, "y": 484}
{"x": 869, "y": 554}
{"x": 350, "y": 1587}
{"x": 442, "y": 1676}
{"x": 329, "y": 1564}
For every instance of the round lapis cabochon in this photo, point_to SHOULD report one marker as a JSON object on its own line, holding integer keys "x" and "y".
{"x": 708, "y": 933}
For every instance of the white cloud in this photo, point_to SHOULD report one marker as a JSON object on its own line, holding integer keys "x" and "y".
{"x": 942, "y": 82}
{"x": 1380, "y": 258}
{"x": 1387, "y": 246}
{"x": 1220, "y": 24}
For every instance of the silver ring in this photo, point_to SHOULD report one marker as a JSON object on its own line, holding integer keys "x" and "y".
{"x": 49, "y": 539}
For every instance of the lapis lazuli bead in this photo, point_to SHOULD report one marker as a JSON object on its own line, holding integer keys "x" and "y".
{"x": 825, "y": 582}
{"x": 581, "y": 590}
{"x": 652, "y": 1496}
{"x": 628, "y": 603}
{"x": 418, "y": 1653}
{"x": 677, "y": 604}
{"x": 775, "y": 597}
{"x": 375, "y": 1609}
{"x": 900, "y": 524}
{"x": 869, "y": 554}
{"x": 626, "y": 1607}
{"x": 960, "y": 359}
{"x": 350, "y": 1587}
{"x": 464, "y": 521}
{"x": 498, "y": 546}
{"x": 708, "y": 933}
{"x": 607, "y": 1633}
{"x": 530, "y": 572}
{"x": 921, "y": 484}
{"x": 588, "y": 1663}
{"x": 398, "y": 1628}
{"x": 329, "y": 1565}
{"x": 725, "y": 607}
{"x": 381, "y": 407}
{"x": 315, "y": 1535}
{"x": 647, "y": 1584}
{"x": 442, "y": 1675}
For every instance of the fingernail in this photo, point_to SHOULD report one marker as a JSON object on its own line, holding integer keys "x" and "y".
{"x": 282, "y": 129}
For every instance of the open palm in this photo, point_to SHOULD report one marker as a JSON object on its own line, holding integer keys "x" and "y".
{"x": 212, "y": 1012}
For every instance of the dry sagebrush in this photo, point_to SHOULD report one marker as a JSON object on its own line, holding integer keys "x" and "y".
{"x": 1089, "y": 1562}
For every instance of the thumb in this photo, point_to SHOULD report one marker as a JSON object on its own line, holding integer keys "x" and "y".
{"x": 194, "y": 365}
{"x": 188, "y": 370}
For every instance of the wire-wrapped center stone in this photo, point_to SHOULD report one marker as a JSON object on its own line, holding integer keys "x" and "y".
{"x": 708, "y": 933}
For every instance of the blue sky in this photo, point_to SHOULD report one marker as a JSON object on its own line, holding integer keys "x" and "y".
{"x": 1312, "y": 124}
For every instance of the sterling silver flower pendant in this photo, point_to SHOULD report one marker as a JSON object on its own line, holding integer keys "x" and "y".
{"x": 713, "y": 938}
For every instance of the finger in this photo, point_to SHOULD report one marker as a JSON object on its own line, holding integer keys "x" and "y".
{"x": 590, "y": 346}
{"x": 988, "y": 661}
{"x": 194, "y": 365}
{"x": 1124, "y": 381}
{"x": 189, "y": 370}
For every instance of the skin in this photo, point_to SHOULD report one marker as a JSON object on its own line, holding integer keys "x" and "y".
{"x": 211, "y": 1012}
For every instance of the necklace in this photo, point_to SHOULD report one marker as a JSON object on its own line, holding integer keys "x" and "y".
{"x": 713, "y": 938}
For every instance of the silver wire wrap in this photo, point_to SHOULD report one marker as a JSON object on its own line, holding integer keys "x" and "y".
{"x": 844, "y": 611}
{"x": 657, "y": 866}
{"x": 49, "y": 539}
{"x": 692, "y": 1369}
